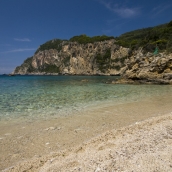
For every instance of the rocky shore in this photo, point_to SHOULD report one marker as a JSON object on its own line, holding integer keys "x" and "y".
{"x": 139, "y": 56}
{"x": 147, "y": 69}
{"x": 101, "y": 58}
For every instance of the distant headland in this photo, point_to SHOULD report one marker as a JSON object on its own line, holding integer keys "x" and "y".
{"x": 140, "y": 56}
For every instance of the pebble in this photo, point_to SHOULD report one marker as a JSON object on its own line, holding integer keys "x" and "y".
{"x": 19, "y": 137}
{"x": 97, "y": 170}
{"x": 50, "y": 128}
{"x": 7, "y": 134}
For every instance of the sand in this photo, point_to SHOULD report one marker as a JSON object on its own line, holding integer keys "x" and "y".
{"x": 144, "y": 146}
{"x": 110, "y": 138}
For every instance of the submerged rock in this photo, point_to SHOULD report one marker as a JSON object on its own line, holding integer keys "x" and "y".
{"x": 142, "y": 81}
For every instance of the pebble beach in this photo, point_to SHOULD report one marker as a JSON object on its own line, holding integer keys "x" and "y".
{"x": 110, "y": 138}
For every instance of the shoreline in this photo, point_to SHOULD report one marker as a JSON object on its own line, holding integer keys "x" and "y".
{"x": 145, "y": 145}
{"x": 24, "y": 140}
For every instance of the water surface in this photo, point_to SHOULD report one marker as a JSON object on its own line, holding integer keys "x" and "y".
{"x": 46, "y": 96}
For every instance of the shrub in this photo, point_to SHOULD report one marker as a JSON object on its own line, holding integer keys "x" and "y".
{"x": 147, "y": 38}
{"x": 52, "y": 44}
{"x": 84, "y": 39}
{"x": 49, "y": 68}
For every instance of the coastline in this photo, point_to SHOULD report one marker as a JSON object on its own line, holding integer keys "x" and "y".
{"x": 25, "y": 142}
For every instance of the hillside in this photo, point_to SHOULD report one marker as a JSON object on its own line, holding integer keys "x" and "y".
{"x": 74, "y": 58}
{"x": 149, "y": 38}
{"x": 102, "y": 55}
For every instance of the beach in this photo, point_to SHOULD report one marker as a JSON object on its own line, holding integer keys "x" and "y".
{"x": 86, "y": 86}
{"x": 107, "y": 138}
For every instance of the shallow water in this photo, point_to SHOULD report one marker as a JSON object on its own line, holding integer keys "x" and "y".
{"x": 35, "y": 97}
{"x": 43, "y": 114}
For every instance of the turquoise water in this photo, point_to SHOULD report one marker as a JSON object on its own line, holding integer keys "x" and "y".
{"x": 46, "y": 96}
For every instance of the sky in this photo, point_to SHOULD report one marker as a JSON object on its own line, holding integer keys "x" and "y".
{"x": 26, "y": 24}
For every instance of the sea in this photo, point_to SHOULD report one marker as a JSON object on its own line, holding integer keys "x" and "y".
{"x": 43, "y": 97}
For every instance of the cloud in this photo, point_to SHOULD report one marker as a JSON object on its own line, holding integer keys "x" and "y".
{"x": 126, "y": 12}
{"x": 116, "y": 27}
{"x": 19, "y": 50}
{"x": 22, "y": 40}
{"x": 160, "y": 9}
{"x": 122, "y": 11}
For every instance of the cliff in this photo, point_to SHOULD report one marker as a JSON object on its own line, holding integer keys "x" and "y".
{"x": 147, "y": 68}
{"x": 142, "y": 56}
{"x": 103, "y": 57}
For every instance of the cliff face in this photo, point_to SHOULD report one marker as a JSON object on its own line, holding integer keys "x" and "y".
{"x": 103, "y": 57}
{"x": 147, "y": 68}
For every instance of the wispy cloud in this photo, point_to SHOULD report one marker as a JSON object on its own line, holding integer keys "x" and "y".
{"x": 22, "y": 40}
{"x": 19, "y": 50}
{"x": 116, "y": 27}
{"x": 122, "y": 11}
{"x": 160, "y": 9}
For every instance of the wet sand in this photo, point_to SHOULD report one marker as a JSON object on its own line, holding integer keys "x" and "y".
{"x": 36, "y": 143}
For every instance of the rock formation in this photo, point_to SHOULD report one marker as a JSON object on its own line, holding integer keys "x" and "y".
{"x": 148, "y": 58}
{"x": 102, "y": 58}
{"x": 147, "y": 68}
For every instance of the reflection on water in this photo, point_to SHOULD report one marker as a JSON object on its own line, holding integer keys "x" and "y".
{"x": 42, "y": 96}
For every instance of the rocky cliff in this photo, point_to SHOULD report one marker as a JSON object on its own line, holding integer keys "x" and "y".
{"x": 147, "y": 68}
{"x": 103, "y": 57}
{"x": 142, "y": 56}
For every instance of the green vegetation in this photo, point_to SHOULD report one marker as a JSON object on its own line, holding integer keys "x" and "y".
{"x": 66, "y": 60}
{"x": 28, "y": 60}
{"x": 120, "y": 59}
{"x": 28, "y": 64}
{"x": 117, "y": 67}
{"x": 153, "y": 39}
{"x": 31, "y": 69}
{"x": 148, "y": 38}
{"x": 45, "y": 68}
{"x": 49, "y": 68}
{"x": 84, "y": 39}
{"x": 103, "y": 61}
{"x": 52, "y": 44}
{"x": 17, "y": 69}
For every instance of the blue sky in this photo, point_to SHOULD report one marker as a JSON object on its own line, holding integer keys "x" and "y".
{"x": 26, "y": 24}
